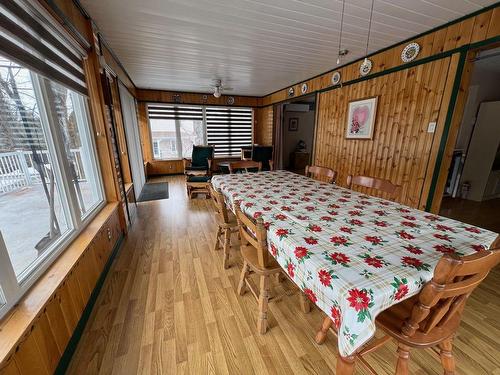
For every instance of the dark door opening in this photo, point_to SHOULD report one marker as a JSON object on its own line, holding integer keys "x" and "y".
{"x": 299, "y": 118}
{"x": 472, "y": 192}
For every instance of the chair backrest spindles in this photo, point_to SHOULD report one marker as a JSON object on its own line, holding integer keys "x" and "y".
{"x": 321, "y": 173}
{"x": 220, "y": 204}
{"x": 253, "y": 232}
{"x": 446, "y": 294}
{"x": 380, "y": 184}
{"x": 244, "y": 164}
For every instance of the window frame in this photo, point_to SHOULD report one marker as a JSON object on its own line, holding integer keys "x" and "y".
{"x": 178, "y": 139}
{"x": 12, "y": 286}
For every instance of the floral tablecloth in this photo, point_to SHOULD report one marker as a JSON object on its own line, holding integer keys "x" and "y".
{"x": 353, "y": 255}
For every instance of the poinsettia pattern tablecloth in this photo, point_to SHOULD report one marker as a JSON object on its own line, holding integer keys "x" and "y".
{"x": 352, "y": 254}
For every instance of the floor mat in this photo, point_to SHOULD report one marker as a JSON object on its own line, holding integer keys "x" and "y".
{"x": 153, "y": 191}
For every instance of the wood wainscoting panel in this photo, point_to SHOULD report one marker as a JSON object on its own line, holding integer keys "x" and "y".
{"x": 34, "y": 336}
{"x": 263, "y": 126}
{"x": 477, "y": 28}
{"x": 399, "y": 151}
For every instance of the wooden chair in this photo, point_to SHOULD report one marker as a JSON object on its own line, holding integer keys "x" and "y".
{"x": 385, "y": 186}
{"x": 315, "y": 171}
{"x": 432, "y": 317}
{"x": 244, "y": 165}
{"x": 198, "y": 170}
{"x": 226, "y": 225}
{"x": 256, "y": 259}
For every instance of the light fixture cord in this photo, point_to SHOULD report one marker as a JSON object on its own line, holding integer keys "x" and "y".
{"x": 341, "y": 26}
{"x": 369, "y": 29}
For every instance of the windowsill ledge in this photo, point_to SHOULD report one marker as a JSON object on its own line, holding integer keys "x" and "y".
{"x": 17, "y": 323}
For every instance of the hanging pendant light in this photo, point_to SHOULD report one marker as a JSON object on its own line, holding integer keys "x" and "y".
{"x": 341, "y": 52}
{"x": 366, "y": 66}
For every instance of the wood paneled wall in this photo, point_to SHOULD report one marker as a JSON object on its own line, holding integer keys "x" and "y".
{"x": 117, "y": 69}
{"x": 474, "y": 29}
{"x": 409, "y": 98}
{"x": 71, "y": 17}
{"x": 34, "y": 337}
{"x": 162, "y": 96}
{"x": 263, "y": 125}
{"x": 399, "y": 151}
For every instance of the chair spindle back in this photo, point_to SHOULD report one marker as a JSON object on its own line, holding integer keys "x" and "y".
{"x": 318, "y": 173}
{"x": 255, "y": 233}
{"x": 244, "y": 164}
{"x": 446, "y": 294}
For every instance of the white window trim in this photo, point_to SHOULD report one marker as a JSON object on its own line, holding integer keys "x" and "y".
{"x": 178, "y": 134}
{"x": 12, "y": 286}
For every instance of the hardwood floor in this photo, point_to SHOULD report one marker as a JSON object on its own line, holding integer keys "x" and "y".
{"x": 168, "y": 307}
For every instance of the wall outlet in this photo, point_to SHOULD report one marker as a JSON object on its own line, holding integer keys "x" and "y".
{"x": 431, "y": 128}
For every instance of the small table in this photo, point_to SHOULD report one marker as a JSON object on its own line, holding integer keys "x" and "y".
{"x": 224, "y": 166}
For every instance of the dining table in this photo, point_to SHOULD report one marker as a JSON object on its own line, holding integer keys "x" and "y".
{"x": 354, "y": 255}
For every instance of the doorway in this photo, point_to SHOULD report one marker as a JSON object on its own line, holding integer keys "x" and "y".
{"x": 472, "y": 192}
{"x": 299, "y": 119}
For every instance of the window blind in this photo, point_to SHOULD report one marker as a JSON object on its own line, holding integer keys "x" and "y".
{"x": 28, "y": 38}
{"x": 175, "y": 112}
{"x": 229, "y": 129}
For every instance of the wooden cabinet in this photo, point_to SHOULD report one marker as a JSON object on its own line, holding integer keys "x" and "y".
{"x": 299, "y": 160}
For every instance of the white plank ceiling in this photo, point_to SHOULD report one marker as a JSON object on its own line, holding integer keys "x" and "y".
{"x": 255, "y": 46}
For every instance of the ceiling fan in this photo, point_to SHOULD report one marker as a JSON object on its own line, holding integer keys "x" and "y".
{"x": 218, "y": 88}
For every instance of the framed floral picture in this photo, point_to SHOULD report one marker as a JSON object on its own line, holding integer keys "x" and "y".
{"x": 361, "y": 118}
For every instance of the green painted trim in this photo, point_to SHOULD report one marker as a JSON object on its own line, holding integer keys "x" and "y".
{"x": 463, "y": 49}
{"x": 473, "y": 14}
{"x": 65, "y": 360}
{"x": 446, "y": 130}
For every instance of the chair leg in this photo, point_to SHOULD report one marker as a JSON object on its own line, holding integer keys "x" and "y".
{"x": 305, "y": 305}
{"x": 345, "y": 365}
{"x": 217, "y": 239}
{"x": 403, "y": 360}
{"x": 263, "y": 304}
{"x": 446, "y": 355}
{"x": 321, "y": 335}
{"x": 227, "y": 246}
{"x": 243, "y": 276}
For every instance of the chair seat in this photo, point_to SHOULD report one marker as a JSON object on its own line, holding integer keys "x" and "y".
{"x": 392, "y": 320}
{"x": 197, "y": 178}
{"x": 249, "y": 254}
{"x": 232, "y": 221}
{"x": 196, "y": 168}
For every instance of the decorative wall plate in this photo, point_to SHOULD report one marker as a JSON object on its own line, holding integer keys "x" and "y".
{"x": 230, "y": 100}
{"x": 303, "y": 88}
{"x": 365, "y": 67}
{"x": 291, "y": 92}
{"x": 336, "y": 78}
{"x": 410, "y": 52}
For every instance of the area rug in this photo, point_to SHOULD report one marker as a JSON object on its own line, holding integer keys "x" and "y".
{"x": 153, "y": 191}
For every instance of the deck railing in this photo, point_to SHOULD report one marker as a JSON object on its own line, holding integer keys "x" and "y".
{"x": 17, "y": 169}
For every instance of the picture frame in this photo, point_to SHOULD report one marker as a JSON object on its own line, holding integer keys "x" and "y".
{"x": 293, "y": 124}
{"x": 361, "y": 115}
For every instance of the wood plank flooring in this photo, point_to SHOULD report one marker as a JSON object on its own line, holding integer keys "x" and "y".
{"x": 168, "y": 307}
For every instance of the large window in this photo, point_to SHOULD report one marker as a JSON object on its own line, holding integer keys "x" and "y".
{"x": 176, "y": 128}
{"x": 50, "y": 183}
